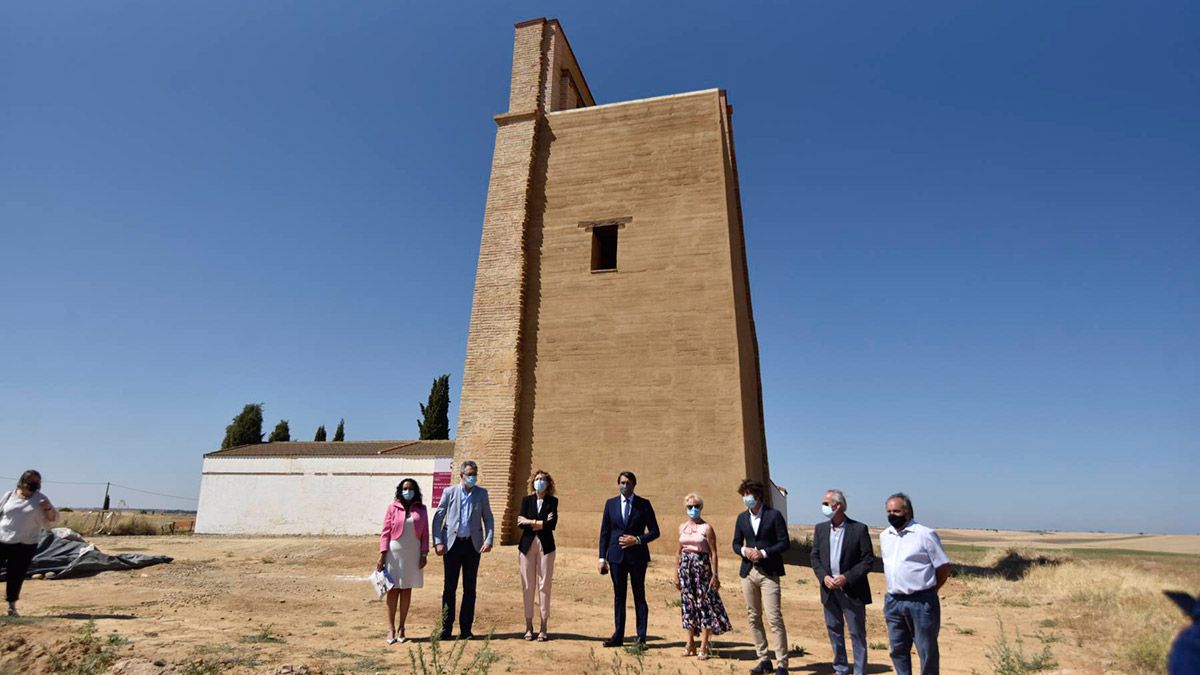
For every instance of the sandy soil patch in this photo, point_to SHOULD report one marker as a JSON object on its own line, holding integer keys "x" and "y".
{"x": 254, "y": 604}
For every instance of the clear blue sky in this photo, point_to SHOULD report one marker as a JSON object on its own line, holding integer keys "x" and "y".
{"x": 972, "y": 228}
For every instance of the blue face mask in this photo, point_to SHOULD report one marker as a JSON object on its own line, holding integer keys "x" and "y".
{"x": 827, "y": 510}
{"x": 693, "y": 512}
{"x": 539, "y": 485}
{"x": 626, "y": 490}
{"x": 471, "y": 480}
{"x": 407, "y": 495}
{"x": 749, "y": 501}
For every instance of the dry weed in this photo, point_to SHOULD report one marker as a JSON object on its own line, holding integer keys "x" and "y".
{"x": 1111, "y": 602}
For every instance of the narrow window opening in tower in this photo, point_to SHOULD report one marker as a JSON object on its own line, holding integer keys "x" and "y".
{"x": 604, "y": 248}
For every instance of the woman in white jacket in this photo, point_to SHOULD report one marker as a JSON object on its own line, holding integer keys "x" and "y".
{"x": 24, "y": 513}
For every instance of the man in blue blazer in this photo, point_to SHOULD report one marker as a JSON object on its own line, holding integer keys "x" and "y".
{"x": 760, "y": 538}
{"x": 628, "y": 524}
{"x": 462, "y": 530}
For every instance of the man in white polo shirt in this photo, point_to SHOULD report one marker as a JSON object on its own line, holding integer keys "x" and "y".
{"x": 915, "y": 566}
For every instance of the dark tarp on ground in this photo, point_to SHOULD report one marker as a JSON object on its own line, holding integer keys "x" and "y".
{"x": 68, "y": 559}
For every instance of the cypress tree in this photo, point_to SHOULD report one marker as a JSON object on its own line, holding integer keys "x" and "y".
{"x": 340, "y": 434}
{"x": 320, "y": 434}
{"x": 436, "y": 413}
{"x": 246, "y": 428}
{"x": 282, "y": 433}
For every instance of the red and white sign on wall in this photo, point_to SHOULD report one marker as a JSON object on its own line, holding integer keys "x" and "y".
{"x": 441, "y": 481}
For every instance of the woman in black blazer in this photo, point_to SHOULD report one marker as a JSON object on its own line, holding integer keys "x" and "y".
{"x": 539, "y": 516}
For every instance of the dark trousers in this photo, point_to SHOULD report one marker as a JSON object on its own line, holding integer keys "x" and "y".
{"x": 913, "y": 618}
{"x": 636, "y": 575}
{"x": 840, "y": 611}
{"x": 15, "y": 558}
{"x": 460, "y": 557}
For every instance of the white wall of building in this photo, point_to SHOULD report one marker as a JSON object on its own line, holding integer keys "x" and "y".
{"x": 779, "y": 500}
{"x": 306, "y": 495}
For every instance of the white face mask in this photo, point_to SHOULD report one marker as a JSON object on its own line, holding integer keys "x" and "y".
{"x": 827, "y": 510}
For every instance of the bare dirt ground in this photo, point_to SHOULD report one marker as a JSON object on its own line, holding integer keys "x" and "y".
{"x": 262, "y": 604}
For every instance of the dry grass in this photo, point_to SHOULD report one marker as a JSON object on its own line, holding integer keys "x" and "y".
{"x": 1113, "y": 606}
{"x": 122, "y": 523}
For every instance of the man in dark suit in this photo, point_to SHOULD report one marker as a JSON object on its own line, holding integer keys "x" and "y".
{"x": 760, "y": 538}
{"x": 842, "y": 557}
{"x": 627, "y": 525}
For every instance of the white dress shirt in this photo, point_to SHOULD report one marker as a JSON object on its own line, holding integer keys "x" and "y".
{"x": 910, "y": 558}
{"x": 836, "y": 534}
{"x": 755, "y": 521}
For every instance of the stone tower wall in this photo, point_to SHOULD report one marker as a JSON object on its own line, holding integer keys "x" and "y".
{"x": 651, "y": 368}
{"x": 492, "y": 382}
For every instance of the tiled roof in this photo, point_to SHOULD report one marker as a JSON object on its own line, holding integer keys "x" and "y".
{"x": 340, "y": 449}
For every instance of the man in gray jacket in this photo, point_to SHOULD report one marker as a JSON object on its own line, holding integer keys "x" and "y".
{"x": 462, "y": 531}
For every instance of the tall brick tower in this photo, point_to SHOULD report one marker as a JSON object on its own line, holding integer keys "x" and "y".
{"x": 611, "y": 327}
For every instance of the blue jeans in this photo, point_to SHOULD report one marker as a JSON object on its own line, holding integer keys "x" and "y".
{"x": 855, "y": 614}
{"x": 913, "y": 618}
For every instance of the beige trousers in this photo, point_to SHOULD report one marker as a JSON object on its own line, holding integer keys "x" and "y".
{"x": 537, "y": 572}
{"x": 762, "y": 596}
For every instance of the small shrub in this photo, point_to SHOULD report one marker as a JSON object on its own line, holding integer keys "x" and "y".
{"x": 618, "y": 666}
{"x": 799, "y": 650}
{"x": 201, "y": 667}
{"x": 115, "y": 640}
{"x": 442, "y": 661}
{"x": 637, "y": 649}
{"x": 1147, "y": 653}
{"x": 370, "y": 664}
{"x": 879, "y": 646}
{"x": 964, "y": 631}
{"x": 1047, "y": 638}
{"x": 673, "y": 603}
{"x": 264, "y": 636}
{"x": 94, "y": 655}
{"x": 1009, "y": 658}
{"x": 326, "y": 624}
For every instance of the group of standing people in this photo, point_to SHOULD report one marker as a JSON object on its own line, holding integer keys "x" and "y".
{"x": 915, "y": 567}
{"x": 462, "y": 529}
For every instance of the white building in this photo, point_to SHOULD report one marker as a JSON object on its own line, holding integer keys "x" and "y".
{"x": 315, "y": 488}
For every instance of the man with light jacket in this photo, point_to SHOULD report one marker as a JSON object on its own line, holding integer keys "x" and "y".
{"x": 462, "y": 530}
